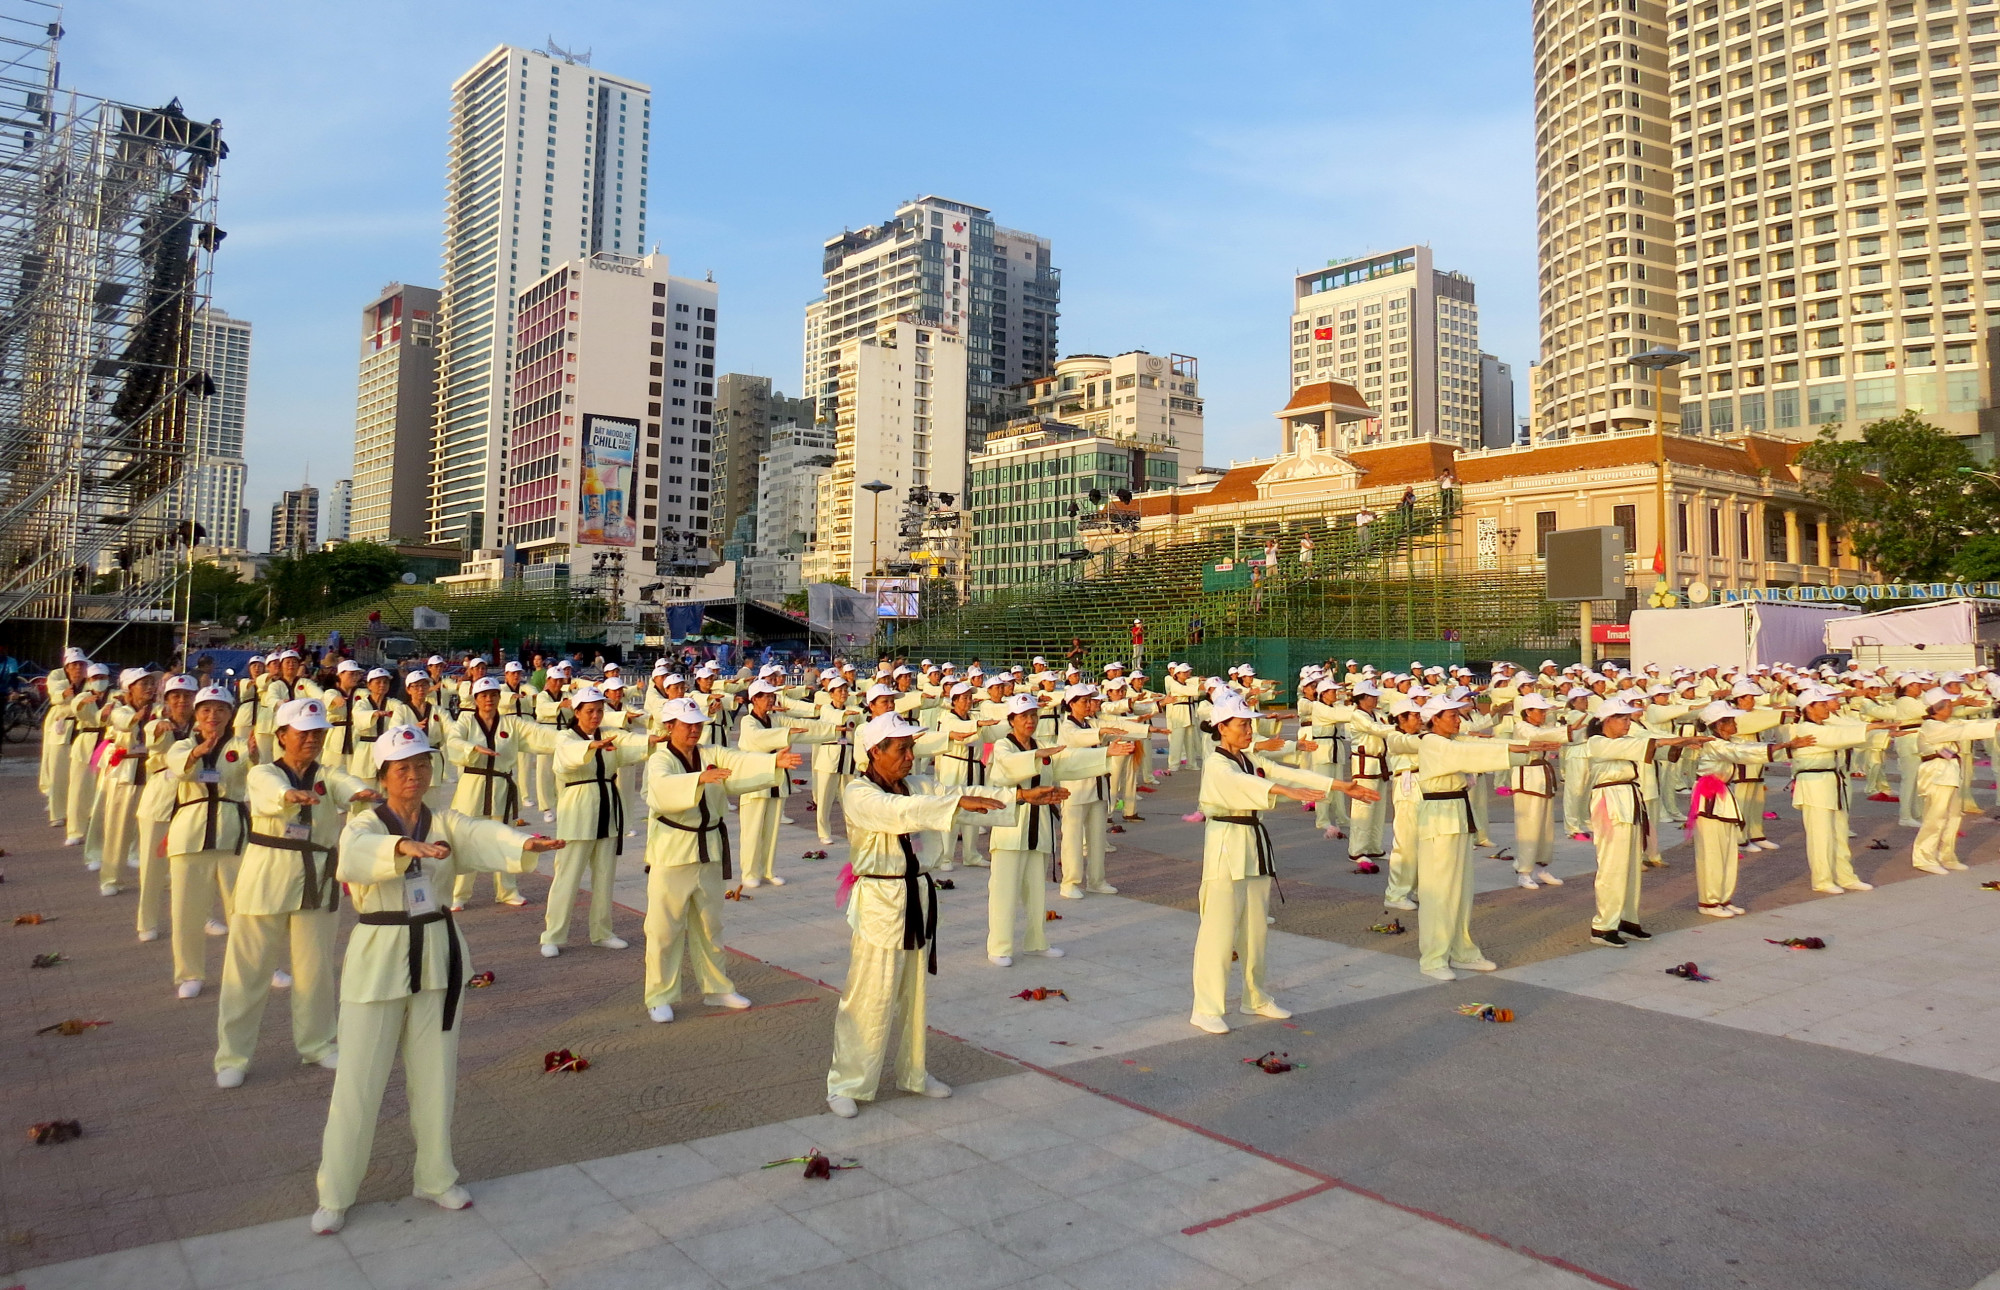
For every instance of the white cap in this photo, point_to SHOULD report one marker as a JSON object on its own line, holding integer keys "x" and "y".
{"x": 1022, "y": 703}
{"x": 760, "y": 686}
{"x": 560, "y": 667}
{"x": 485, "y": 685}
{"x": 215, "y": 694}
{"x": 962, "y": 688}
{"x": 1229, "y": 706}
{"x": 683, "y": 710}
{"x": 1247, "y": 670}
{"x": 903, "y": 671}
{"x": 181, "y": 682}
{"x": 74, "y": 655}
{"x": 282, "y": 655}
{"x": 399, "y": 743}
{"x": 886, "y": 726}
{"x": 1615, "y": 708}
{"x": 609, "y": 668}
{"x": 1075, "y": 692}
{"x": 1114, "y": 663}
{"x": 1366, "y": 687}
{"x": 1114, "y": 683}
{"x": 417, "y": 678}
{"x": 380, "y": 674}
{"x": 129, "y": 675}
{"x": 435, "y": 660}
{"x": 879, "y": 692}
{"x": 1745, "y": 690}
{"x": 511, "y": 666}
{"x": 1530, "y": 701}
{"x": 586, "y": 694}
{"x": 1440, "y": 705}
{"x": 613, "y": 683}
{"x": 348, "y": 665}
{"x": 97, "y": 670}
{"x": 1718, "y": 711}
{"x": 1933, "y": 697}
{"x": 1813, "y": 694}
{"x": 303, "y": 714}
{"x": 770, "y": 669}
{"x": 669, "y": 678}
{"x": 254, "y": 658}
{"x": 1405, "y": 704}
{"x": 661, "y": 667}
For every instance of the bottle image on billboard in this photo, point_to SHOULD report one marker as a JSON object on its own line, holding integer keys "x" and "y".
{"x": 610, "y": 447}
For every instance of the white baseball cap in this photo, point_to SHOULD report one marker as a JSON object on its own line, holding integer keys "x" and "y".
{"x": 762, "y": 687}
{"x": 417, "y": 678}
{"x": 485, "y": 685}
{"x": 215, "y": 694}
{"x": 1075, "y": 692}
{"x": 181, "y": 682}
{"x": 613, "y": 683}
{"x": 399, "y": 743}
{"x": 347, "y": 665}
{"x": 380, "y": 674}
{"x": 1229, "y": 706}
{"x": 74, "y": 655}
{"x": 1023, "y": 703}
{"x": 886, "y": 726}
{"x": 590, "y": 694}
{"x": 303, "y": 714}
{"x": 1615, "y": 708}
{"x": 684, "y": 710}
{"x": 1718, "y": 711}
{"x": 879, "y": 692}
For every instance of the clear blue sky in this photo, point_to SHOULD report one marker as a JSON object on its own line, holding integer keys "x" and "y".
{"x": 1186, "y": 158}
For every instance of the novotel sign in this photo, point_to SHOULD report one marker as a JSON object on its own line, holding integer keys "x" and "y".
{"x": 1855, "y": 595}
{"x": 630, "y": 270}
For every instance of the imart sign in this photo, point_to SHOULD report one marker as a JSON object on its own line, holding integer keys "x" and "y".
{"x": 1857, "y": 595}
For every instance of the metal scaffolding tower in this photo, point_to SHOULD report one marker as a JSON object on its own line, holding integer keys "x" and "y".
{"x": 107, "y": 236}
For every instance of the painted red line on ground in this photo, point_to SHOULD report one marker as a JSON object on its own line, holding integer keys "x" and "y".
{"x": 1264, "y": 1208}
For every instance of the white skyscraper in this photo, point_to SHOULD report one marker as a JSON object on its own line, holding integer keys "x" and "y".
{"x": 339, "y": 512}
{"x": 547, "y": 164}
{"x": 213, "y": 489}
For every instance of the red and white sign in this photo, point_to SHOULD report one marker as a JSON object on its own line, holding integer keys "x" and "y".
{"x": 1611, "y": 633}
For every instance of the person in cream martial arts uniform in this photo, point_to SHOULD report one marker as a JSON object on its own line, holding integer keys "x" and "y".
{"x": 688, "y": 785}
{"x": 771, "y": 723}
{"x": 421, "y": 707}
{"x": 173, "y": 723}
{"x": 1184, "y": 692}
{"x": 1532, "y": 781}
{"x": 1444, "y": 827}
{"x": 286, "y": 891}
{"x": 1819, "y": 789}
{"x": 961, "y": 763}
{"x": 403, "y": 980}
{"x": 1754, "y": 716}
{"x": 58, "y": 723}
{"x": 1940, "y": 764}
{"x": 833, "y": 759}
{"x": 892, "y": 910}
{"x": 1025, "y": 838}
{"x": 1718, "y": 822}
{"x": 590, "y": 817}
{"x": 1619, "y": 818}
{"x": 1238, "y": 859}
{"x": 489, "y": 748}
{"x": 208, "y": 826}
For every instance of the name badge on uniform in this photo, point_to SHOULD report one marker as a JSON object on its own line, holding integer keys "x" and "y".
{"x": 208, "y": 775}
{"x": 298, "y": 832}
{"x": 417, "y": 895}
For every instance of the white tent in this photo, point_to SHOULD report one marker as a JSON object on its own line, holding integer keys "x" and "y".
{"x": 1941, "y": 634}
{"x": 1742, "y": 634}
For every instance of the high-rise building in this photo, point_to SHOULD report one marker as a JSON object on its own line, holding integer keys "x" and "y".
{"x": 340, "y": 512}
{"x": 1148, "y": 398}
{"x": 788, "y": 477}
{"x": 900, "y": 421}
{"x": 1016, "y": 540}
{"x": 746, "y": 408}
{"x": 395, "y": 414}
{"x": 295, "y": 521}
{"x": 1403, "y": 333}
{"x": 946, "y": 265}
{"x": 1838, "y": 190}
{"x": 547, "y": 166}
{"x": 608, "y": 461}
{"x": 1496, "y": 403}
{"x": 211, "y": 491}
{"x": 1603, "y": 205}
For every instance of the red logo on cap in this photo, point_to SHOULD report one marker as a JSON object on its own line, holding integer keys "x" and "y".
{"x": 230, "y": 755}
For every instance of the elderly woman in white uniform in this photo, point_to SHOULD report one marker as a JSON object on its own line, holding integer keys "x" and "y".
{"x": 404, "y": 976}
{"x": 489, "y": 749}
{"x": 207, "y": 828}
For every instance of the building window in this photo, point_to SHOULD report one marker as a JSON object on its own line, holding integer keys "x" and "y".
{"x": 1743, "y": 535}
{"x": 1681, "y": 528}
{"x": 1627, "y": 519}
{"x": 1714, "y": 531}
{"x": 1545, "y": 524}
{"x": 1774, "y": 536}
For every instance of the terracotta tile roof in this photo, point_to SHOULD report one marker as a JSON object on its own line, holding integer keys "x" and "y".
{"x": 1321, "y": 393}
{"x": 1402, "y": 463}
{"x": 1238, "y": 486}
{"x": 1743, "y": 457}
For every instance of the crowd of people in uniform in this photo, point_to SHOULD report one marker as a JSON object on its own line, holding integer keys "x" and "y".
{"x": 248, "y": 811}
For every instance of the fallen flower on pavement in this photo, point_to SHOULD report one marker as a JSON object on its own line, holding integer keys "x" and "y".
{"x": 70, "y": 1026}
{"x": 563, "y": 1060}
{"x": 50, "y": 1131}
{"x": 1798, "y": 942}
{"x": 1272, "y": 1063}
{"x": 47, "y": 960}
{"x": 1485, "y": 1012}
{"x": 480, "y": 980}
{"x": 1394, "y": 927}
{"x": 33, "y": 920}
{"x": 1039, "y": 993}
{"x": 1688, "y": 972}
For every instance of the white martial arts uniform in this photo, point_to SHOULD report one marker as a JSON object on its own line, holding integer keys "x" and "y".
{"x": 208, "y": 828}
{"x": 1023, "y": 840}
{"x": 688, "y": 861}
{"x": 1444, "y": 827}
{"x": 590, "y": 818}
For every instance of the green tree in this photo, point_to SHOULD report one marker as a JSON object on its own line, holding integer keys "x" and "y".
{"x": 220, "y": 594}
{"x": 1898, "y": 494}
{"x": 318, "y": 580}
{"x": 1978, "y": 560}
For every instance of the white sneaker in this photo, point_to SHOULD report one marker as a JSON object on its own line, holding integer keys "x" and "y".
{"x": 1071, "y": 893}
{"x": 1953, "y": 864}
{"x": 613, "y": 943}
{"x": 1548, "y": 879}
{"x": 215, "y": 927}
{"x": 516, "y": 900}
{"x": 325, "y": 1222}
{"x": 934, "y": 1087}
{"x": 229, "y": 1077}
{"x": 1273, "y": 1009}
{"x": 775, "y": 880}
{"x": 108, "y": 889}
{"x": 449, "y": 1198}
{"x": 1102, "y": 889}
{"x": 946, "y": 867}
{"x": 1403, "y": 902}
{"x": 1050, "y": 953}
{"x": 1828, "y": 890}
{"x": 281, "y": 980}
{"x": 730, "y": 1000}
{"x": 786, "y": 819}
{"x": 456, "y": 908}
{"x": 1476, "y": 965}
{"x": 1526, "y": 880}
{"x": 1213, "y": 1025}
{"x": 548, "y": 817}
{"x": 1441, "y": 974}
{"x": 74, "y": 842}
{"x": 1736, "y": 910}
{"x": 662, "y": 1014}
{"x": 187, "y": 990}
{"x": 550, "y": 949}
{"x": 1714, "y": 911}
{"x": 149, "y": 935}
{"x": 1857, "y": 885}
{"x": 843, "y": 1107}
{"x": 331, "y": 1061}
{"x": 753, "y": 882}
{"x": 1766, "y": 844}
{"x": 1000, "y": 960}
{"x": 92, "y": 865}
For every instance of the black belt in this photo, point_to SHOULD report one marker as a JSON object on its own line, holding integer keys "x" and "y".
{"x": 1548, "y": 779}
{"x": 1645, "y": 820}
{"x": 701, "y": 832}
{"x": 919, "y": 920}
{"x": 1464, "y": 797}
{"x": 1839, "y": 779}
{"x": 81, "y": 731}
{"x": 315, "y": 882}
{"x": 844, "y": 763}
{"x": 1265, "y": 867}
{"x": 513, "y": 799}
{"x": 214, "y": 802}
{"x": 975, "y": 769}
{"x": 454, "y": 979}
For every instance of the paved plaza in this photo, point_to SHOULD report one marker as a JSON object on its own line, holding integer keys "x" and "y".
{"x": 1808, "y": 1118}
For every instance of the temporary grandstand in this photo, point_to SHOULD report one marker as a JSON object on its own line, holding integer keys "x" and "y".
{"x": 107, "y": 233}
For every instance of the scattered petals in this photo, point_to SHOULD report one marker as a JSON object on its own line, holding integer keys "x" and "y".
{"x": 563, "y": 1060}
{"x": 480, "y": 980}
{"x": 33, "y": 920}
{"x": 1688, "y": 972}
{"x": 1394, "y": 927}
{"x": 1798, "y": 942}
{"x": 51, "y": 1131}
{"x": 71, "y": 1026}
{"x": 1039, "y": 993}
{"x": 1193, "y": 817}
{"x": 1485, "y": 1012}
{"x": 1367, "y": 866}
{"x": 1051, "y": 916}
{"x": 818, "y": 1164}
{"x": 736, "y": 893}
{"x": 1989, "y": 886}
{"x": 1770, "y": 815}
{"x": 47, "y": 960}
{"x": 1273, "y": 1063}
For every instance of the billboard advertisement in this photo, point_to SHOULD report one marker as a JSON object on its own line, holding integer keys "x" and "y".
{"x": 610, "y": 445}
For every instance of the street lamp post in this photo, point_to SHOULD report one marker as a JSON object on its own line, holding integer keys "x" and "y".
{"x": 878, "y": 488}
{"x": 1657, "y": 361}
